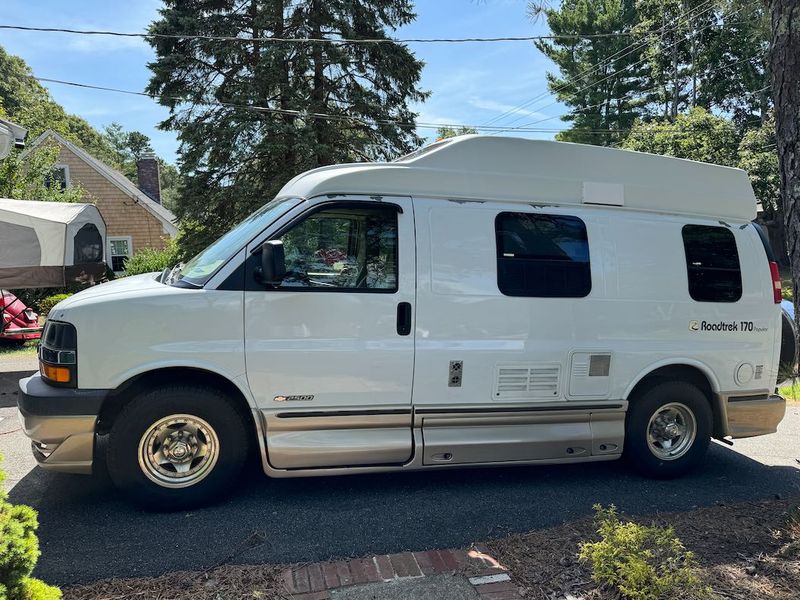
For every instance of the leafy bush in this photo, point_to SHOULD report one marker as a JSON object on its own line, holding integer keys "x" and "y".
{"x": 149, "y": 260}
{"x": 47, "y": 304}
{"x": 19, "y": 551}
{"x": 641, "y": 563}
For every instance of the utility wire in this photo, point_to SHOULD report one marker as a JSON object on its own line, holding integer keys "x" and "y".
{"x": 223, "y": 38}
{"x": 577, "y": 111}
{"x": 345, "y": 118}
{"x": 296, "y": 113}
{"x": 632, "y": 47}
{"x": 618, "y": 72}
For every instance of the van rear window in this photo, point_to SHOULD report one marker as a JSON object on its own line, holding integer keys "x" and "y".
{"x": 542, "y": 256}
{"x": 712, "y": 264}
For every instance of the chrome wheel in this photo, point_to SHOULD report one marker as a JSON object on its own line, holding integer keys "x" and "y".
{"x": 178, "y": 451}
{"x": 671, "y": 431}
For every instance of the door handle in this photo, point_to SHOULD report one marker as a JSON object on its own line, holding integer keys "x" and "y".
{"x": 404, "y": 318}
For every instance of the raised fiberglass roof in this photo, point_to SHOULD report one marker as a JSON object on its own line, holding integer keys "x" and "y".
{"x": 543, "y": 172}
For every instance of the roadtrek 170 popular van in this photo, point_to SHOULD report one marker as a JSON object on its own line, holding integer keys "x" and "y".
{"x": 484, "y": 301}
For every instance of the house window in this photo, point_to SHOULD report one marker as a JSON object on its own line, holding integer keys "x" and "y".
{"x": 58, "y": 178}
{"x": 712, "y": 263}
{"x": 542, "y": 256}
{"x": 119, "y": 249}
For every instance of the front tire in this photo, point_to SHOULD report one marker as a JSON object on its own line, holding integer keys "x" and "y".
{"x": 667, "y": 430}
{"x": 177, "y": 447}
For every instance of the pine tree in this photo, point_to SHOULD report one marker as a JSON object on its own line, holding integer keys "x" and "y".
{"x": 236, "y": 157}
{"x": 603, "y": 98}
{"x": 734, "y": 68}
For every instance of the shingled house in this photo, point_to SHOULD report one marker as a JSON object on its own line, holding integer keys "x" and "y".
{"x": 134, "y": 216}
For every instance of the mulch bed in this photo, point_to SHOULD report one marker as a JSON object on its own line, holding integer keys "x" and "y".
{"x": 746, "y": 551}
{"x": 229, "y": 581}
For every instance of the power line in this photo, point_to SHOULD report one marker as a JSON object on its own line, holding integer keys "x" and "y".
{"x": 222, "y": 38}
{"x": 623, "y": 69}
{"x": 349, "y": 118}
{"x": 577, "y": 111}
{"x": 632, "y": 47}
{"x": 297, "y": 113}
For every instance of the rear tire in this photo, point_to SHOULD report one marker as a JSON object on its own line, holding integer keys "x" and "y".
{"x": 177, "y": 447}
{"x": 667, "y": 430}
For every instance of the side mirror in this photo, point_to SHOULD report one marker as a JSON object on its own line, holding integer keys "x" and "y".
{"x": 273, "y": 262}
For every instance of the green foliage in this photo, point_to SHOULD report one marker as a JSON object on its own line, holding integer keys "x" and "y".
{"x": 150, "y": 259}
{"x": 448, "y": 132}
{"x": 45, "y": 305}
{"x": 28, "y": 103}
{"x": 640, "y": 562}
{"x": 600, "y": 100}
{"x": 757, "y": 156}
{"x": 26, "y": 180}
{"x": 19, "y": 551}
{"x": 234, "y": 159}
{"x": 129, "y": 147}
{"x": 655, "y": 59}
{"x": 697, "y": 135}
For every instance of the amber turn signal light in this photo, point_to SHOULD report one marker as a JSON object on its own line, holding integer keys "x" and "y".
{"x": 53, "y": 373}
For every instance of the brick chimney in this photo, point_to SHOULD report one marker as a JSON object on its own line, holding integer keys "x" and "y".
{"x": 149, "y": 176}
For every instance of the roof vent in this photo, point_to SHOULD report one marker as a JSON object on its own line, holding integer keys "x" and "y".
{"x": 611, "y": 194}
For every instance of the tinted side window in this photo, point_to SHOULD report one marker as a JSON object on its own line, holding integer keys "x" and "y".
{"x": 712, "y": 263}
{"x": 543, "y": 256}
{"x": 343, "y": 249}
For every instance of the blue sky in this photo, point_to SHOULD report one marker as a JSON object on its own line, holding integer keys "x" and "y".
{"x": 470, "y": 83}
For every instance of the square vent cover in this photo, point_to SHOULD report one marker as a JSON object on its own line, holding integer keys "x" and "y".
{"x": 522, "y": 382}
{"x": 590, "y": 374}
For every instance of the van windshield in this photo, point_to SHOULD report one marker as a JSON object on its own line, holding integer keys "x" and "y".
{"x": 199, "y": 270}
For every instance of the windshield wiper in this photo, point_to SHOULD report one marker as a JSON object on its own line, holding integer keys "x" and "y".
{"x": 172, "y": 276}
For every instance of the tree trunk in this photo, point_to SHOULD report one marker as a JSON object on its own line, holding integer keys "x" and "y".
{"x": 285, "y": 91}
{"x": 675, "y": 88}
{"x": 785, "y": 71}
{"x": 318, "y": 86}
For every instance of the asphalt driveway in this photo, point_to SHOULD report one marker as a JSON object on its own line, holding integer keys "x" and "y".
{"x": 88, "y": 531}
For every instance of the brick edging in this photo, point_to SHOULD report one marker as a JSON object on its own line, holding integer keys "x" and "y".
{"x": 314, "y": 581}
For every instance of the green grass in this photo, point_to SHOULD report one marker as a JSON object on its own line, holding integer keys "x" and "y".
{"x": 13, "y": 350}
{"x": 790, "y": 391}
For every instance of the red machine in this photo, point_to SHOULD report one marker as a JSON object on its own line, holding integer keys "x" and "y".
{"x": 17, "y": 322}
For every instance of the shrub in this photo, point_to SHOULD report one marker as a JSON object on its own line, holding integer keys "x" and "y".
{"x": 47, "y": 304}
{"x": 149, "y": 260}
{"x": 19, "y": 551}
{"x": 639, "y": 562}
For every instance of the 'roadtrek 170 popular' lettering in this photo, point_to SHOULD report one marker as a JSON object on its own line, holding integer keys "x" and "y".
{"x": 484, "y": 301}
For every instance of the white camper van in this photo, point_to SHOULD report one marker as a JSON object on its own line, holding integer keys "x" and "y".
{"x": 484, "y": 301}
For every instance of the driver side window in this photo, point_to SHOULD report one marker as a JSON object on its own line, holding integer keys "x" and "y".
{"x": 343, "y": 249}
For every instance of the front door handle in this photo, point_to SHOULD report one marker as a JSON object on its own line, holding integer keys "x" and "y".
{"x": 404, "y": 318}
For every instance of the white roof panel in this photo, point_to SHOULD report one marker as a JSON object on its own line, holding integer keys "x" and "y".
{"x": 60, "y": 212}
{"x": 543, "y": 172}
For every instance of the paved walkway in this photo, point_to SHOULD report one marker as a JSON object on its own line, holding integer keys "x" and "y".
{"x": 434, "y": 575}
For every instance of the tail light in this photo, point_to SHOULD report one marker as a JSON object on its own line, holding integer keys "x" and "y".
{"x": 776, "y": 282}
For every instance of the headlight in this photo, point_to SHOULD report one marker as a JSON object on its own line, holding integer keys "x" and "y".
{"x": 58, "y": 354}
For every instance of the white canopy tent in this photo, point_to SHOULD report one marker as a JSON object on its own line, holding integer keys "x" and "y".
{"x": 50, "y": 244}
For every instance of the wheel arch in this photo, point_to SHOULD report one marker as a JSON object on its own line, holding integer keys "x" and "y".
{"x": 128, "y": 390}
{"x": 690, "y": 371}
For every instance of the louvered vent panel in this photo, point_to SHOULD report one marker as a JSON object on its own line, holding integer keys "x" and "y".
{"x": 513, "y": 380}
{"x": 544, "y": 381}
{"x": 518, "y": 382}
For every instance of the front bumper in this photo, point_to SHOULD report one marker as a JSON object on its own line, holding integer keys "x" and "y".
{"x": 60, "y": 423}
{"x": 759, "y": 414}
